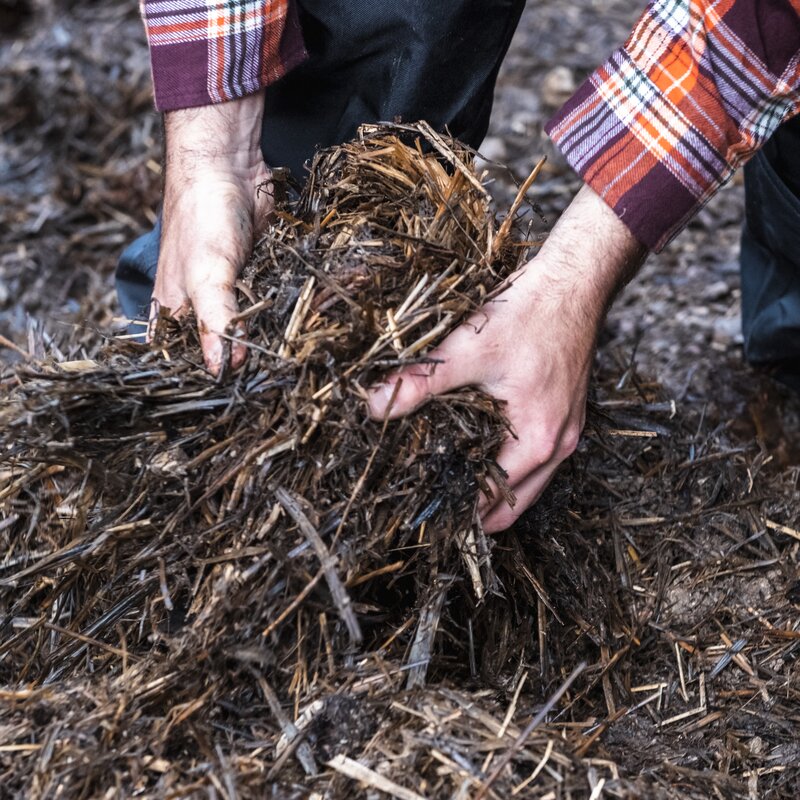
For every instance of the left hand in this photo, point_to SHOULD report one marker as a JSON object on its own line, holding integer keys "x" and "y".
{"x": 524, "y": 351}
{"x": 532, "y": 347}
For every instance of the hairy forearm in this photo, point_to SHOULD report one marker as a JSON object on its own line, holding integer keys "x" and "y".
{"x": 229, "y": 133}
{"x": 589, "y": 256}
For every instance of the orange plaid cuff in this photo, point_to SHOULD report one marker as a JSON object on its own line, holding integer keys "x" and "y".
{"x": 208, "y": 52}
{"x": 698, "y": 87}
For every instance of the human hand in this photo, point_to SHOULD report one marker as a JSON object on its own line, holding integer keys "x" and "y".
{"x": 532, "y": 347}
{"x": 213, "y": 210}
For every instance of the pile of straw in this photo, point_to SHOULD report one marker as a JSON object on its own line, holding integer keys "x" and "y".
{"x": 179, "y": 547}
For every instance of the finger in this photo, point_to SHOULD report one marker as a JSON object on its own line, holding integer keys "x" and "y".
{"x": 529, "y": 464}
{"x": 451, "y": 369}
{"x": 264, "y": 205}
{"x": 168, "y": 299}
{"x": 408, "y": 389}
{"x": 518, "y": 458}
{"x": 214, "y": 304}
{"x": 501, "y": 516}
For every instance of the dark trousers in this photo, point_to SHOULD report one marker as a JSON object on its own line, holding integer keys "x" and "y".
{"x": 770, "y": 258}
{"x": 368, "y": 62}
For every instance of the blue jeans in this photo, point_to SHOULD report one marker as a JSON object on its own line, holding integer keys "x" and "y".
{"x": 770, "y": 257}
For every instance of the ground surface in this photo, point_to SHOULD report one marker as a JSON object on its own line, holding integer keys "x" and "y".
{"x": 688, "y": 521}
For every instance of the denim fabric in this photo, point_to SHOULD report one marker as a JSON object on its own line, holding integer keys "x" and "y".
{"x": 136, "y": 274}
{"x": 770, "y": 256}
{"x": 369, "y": 61}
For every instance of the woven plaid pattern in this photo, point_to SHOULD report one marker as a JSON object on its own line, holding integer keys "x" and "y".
{"x": 205, "y": 52}
{"x": 698, "y": 87}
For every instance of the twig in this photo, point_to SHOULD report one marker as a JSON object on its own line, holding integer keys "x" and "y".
{"x": 358, "y": 772}
{"x": 338, "y": 592}
{"x": 529, "y": 729}
{"x": 304, "y": 754}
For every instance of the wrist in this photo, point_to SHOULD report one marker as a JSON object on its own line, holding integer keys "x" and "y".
{"x": 224, "y": 136}
{"x": 588, "y": 257}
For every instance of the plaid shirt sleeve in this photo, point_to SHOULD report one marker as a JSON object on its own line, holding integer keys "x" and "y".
{"x": 698, "y": 87}
{"x": 208, "y": 51}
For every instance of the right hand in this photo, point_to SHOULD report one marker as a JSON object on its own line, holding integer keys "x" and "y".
{"x": 213, "y": 211}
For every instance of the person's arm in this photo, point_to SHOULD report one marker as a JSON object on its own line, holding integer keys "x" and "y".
{"x": 533, "y": 347}
{"x": 210, "y": 63}
{"x": 213, "y": 209}
{"x": 655, "y": 131}
{"x": 696, "y": 90}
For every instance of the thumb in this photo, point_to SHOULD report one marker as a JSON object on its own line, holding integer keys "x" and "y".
{"x": 411, "y": 387}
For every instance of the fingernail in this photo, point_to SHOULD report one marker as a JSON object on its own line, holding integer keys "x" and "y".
{"x": 380, "y": 398}
{"x": 238, "y": 351}
{"x": 238, "y": 356}
{"x": 213, "y": 356}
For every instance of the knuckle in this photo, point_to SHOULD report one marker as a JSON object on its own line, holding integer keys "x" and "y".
{"x": 570, "y": 440}
{"x": 503, "y": 519}
{"x": 547, "y": 446}
{"x": 213, "y": 294}
{"x": 225, "y": 257}
{"x": 416, "y": 384}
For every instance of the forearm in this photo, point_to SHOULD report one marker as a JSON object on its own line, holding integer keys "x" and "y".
{"x": 587, "y": 258}
{"x": 206, "y": 138}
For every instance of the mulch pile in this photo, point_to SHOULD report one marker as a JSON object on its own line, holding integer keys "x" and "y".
{"x": 245, "y": 588}
{"x": 244, "y": 585}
